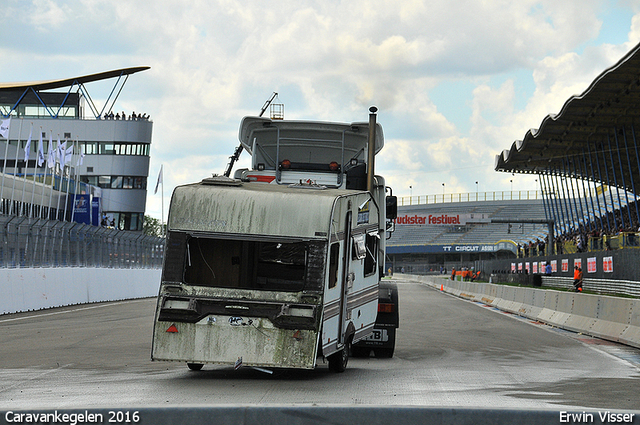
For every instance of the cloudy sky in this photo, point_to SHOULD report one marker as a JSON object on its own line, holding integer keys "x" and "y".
{"x": 456, "y": 82}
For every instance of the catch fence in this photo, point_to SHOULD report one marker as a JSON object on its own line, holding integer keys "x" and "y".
{"x": 33, "y": 242}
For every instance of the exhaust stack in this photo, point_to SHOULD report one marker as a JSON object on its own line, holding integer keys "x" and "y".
{"x": 372, "y": 148}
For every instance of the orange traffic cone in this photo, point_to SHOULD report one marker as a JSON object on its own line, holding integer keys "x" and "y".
{"x": 441, "y": 287}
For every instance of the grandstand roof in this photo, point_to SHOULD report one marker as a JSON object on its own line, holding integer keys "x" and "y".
{"x": 66, "y": 82}
{"x": 604, "y": 115}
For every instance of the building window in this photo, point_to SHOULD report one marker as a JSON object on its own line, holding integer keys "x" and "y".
{"x": 104, "y": 182}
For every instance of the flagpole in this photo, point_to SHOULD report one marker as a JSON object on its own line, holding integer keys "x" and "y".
{"x": 53, "y": 170}
{"x": 75, "y": 186}
{"x": 61, "y": 172}
{"x": 44, "y": 182}
{"x": 27, "y": 148}
{"x": 4, "y": 167}
{"x": 15, "y": 166}
{"x": 35, "y": 165}
{"x": 66, "y": 198}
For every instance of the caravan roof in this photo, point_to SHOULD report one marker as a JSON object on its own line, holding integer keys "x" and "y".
{"x": 270, "y": 141}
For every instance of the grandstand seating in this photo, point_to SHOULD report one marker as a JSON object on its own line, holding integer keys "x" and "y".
{"x": 476, "y": 233}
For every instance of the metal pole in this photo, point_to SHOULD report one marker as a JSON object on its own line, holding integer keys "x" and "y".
{"x": 633, "y": 133}
{"x": 35, "y": 165}
{"x": 584, "y": 174}
{"x": 15, "y": 166}
{"x": 26, "y": 167}
{"x": 4, "y": 169}
{"x": 573, "y": 192}
{"x": 553, "y": 204}
{"x": 604, "y": 197}
{"x": 615, "y": 181}
{"x": 624, "y": 185}
{"x": 371, "y": 154}
{"x": 613, "y": 209}
{"x": 574, "y": 217}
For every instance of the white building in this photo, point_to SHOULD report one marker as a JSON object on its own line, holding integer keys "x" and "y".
{"x": 116, "y": 146}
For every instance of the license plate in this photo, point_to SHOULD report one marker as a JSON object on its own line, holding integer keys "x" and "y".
{"x": 379, "y": 335}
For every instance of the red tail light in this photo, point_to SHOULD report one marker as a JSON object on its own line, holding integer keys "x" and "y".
{"x": 334, "y": 166}
{"x": 286, "y": 164}
{"x": 386, "y": 308}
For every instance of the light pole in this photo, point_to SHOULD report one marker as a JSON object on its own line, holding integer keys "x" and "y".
{"x": 476, "y": 191}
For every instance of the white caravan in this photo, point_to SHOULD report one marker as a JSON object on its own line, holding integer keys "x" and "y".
{"x": 279, "y": 266}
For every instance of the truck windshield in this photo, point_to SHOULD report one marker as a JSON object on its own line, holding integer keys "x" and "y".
{"x": 273, "y": 266}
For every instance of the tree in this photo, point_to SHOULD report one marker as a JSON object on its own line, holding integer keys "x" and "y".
{"x": 152, "y": 227}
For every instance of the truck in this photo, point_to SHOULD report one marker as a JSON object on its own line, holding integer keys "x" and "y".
{"x": 280, "y": 265}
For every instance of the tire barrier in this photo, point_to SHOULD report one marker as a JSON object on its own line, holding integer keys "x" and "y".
{"x": 603, "y": 316}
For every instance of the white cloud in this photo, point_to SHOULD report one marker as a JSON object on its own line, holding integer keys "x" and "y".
{"x": 213, "y": 62}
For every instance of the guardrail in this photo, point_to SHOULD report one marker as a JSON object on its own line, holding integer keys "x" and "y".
{"x": 612, "y": 318}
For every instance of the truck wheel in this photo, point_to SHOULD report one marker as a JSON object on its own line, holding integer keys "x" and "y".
{"x": 195, "y": 366}
{"x": 338, "y": 361}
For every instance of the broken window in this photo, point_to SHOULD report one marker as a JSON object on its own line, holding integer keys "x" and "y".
{"x": 244, "y": 264}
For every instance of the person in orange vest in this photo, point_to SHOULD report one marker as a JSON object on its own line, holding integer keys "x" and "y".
{"x": 577, "y": 279}
{"x": 453, "y": 273}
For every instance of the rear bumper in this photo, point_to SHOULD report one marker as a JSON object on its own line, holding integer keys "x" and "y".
{"x": 224, "y": 339}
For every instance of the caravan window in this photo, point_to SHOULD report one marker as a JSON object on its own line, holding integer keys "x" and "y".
{"x": 262, "y": 265}
{"x": 370, "y": 259}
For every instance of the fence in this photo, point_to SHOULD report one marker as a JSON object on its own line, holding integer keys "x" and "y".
{"x": 32, "y": 242}
{"x": 514, "y": 195}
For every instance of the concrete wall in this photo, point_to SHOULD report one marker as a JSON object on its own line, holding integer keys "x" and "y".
{"x": 612, "y": 318}
{"x": 37, "y": 288}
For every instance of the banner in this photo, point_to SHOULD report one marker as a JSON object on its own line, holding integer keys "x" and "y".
{"x": 95, "y": 211}
{"x": 591, "y": 265}
{"x": 565, "y": 264}
{"x": 442, "y": 219}
{"x": 554, "y": 266}
{"x": 82, "y": 209}
{"x": 607, "y": 264}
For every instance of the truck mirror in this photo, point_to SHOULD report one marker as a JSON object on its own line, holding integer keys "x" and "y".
{"x": 392, "y": 207}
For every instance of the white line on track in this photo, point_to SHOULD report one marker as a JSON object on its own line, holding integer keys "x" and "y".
{"x": 36, "y": 314}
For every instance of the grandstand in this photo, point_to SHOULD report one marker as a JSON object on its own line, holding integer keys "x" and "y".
{"x": 469, "y": 238}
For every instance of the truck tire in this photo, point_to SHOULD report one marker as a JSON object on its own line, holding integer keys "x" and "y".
{"x": 338, "y": 361}
{"x": 195, "y": 366}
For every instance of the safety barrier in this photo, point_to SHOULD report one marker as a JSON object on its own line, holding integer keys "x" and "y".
{"x": 607, "y": 317}
{"x": 38, "y": 288}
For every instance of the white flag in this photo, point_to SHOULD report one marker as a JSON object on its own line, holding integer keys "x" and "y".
{"x": 40, "y": 151}
{"x": 51, "y": 158}
{"x": 4, "y": 128}
{"x": 80, "y": 157}
{"x": 159, "y": 180}
{"x": 27, "y": 147}
{"x": 60, "y": 152}
{"x": 68, "y": 154}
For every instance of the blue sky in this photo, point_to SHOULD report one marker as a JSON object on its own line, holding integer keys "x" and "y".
{"x": 455, "y": 82}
